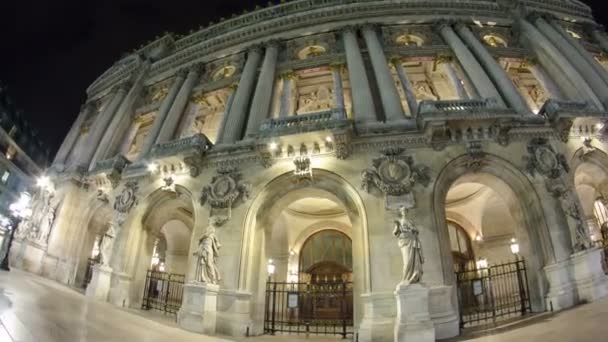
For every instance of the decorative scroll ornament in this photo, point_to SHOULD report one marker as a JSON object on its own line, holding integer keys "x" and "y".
{"x": 543, "y": 159}
{"x": 127, "y": 198}
{"x": 225, "y": 190}
{"x": 303, "y": 170}
{"x": 394, "y": 174}
{"x": 475, "y": 156}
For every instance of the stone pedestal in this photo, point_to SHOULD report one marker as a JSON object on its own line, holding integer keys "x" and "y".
{"x": 561, "y": 289}
{"x": 199, "y": 308}
{"x": 378, "y": 318}
{"x": 32, "y": 257}
{"x": 99, "y": 287}
{"x": 413, "y": 321}
{"x": 589, "y": 278}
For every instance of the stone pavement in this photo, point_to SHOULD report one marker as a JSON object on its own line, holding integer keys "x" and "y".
{"x": 37, "y": 309}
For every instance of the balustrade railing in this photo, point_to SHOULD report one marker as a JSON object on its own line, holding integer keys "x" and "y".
{"x": 197, "y": 141}
{"x": 456, "y": 106}
{"x": 311, "y": 121}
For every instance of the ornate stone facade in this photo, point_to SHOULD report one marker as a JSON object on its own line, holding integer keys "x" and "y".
{"x": 486, "y": 131}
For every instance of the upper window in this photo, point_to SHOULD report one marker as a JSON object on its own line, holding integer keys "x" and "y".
{"x": 327, "y": 245}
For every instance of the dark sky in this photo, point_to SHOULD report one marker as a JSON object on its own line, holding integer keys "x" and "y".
{"x": 52, "y": 50}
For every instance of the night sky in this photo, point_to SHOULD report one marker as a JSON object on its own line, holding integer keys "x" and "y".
{"x": 52, "y": 50}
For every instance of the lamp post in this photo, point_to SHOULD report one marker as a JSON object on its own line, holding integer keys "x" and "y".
{"x": 20, "y": 210}
{"x": 515, "y": 248}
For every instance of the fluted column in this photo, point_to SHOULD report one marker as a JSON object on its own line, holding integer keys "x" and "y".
{"x": 162, "y": 113}
{"x": 482, "y": 83}
{"x": 598, "y": 86}
{"x": 235, "y": 120}
{"x": 456, "y": 82}
{"x": 229, "y": 104}
{"x": 262, "y": 98}
{"x": 336, "y": 72}
{"x": 167, "y": 131}
{"x": 393, "y": 110}
{"x": 287, "y": 86}
{"x": 601, "y": 39}
{"x": 408, "y": 89}
{"x": 583, "y": 53}
{"x": 545, "y": 81}
{"x": 131, "y": 134}
{"x": 570, "y": 81}
{"x": 100, "y": 125}
{"x": 70, "y": 140}
{"x": 363, "y": 103}
{"x": 115, "y": 131}
{"x": 502, "y": 81}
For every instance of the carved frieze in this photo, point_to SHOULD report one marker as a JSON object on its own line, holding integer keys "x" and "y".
{"x": 226, "y": 189}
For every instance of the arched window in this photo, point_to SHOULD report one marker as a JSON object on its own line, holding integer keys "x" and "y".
{"x": 460, "y": 244}
{"x": 327, "y": 253}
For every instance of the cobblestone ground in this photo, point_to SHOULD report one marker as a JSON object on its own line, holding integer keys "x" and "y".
{"x": 36, "y": 309}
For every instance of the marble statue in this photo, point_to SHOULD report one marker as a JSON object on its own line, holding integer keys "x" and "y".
{"x": 411, "y": 248}
{"x": 107, "y": 242}
{"x": 582, "y": 239}
{"x": 208, "y": 252}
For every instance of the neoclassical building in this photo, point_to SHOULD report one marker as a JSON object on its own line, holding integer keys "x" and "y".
{"x": 246, "y": 178}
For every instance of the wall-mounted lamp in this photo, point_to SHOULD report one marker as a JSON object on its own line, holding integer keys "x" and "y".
{"x": 481, "y": 263}
{"x": 514, "y": 246}
{"x": 271, "y": 268}
{"x": 478, "y": 237}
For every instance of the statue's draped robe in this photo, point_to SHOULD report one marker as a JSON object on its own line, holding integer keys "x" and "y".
{"x": 411, "y": 251}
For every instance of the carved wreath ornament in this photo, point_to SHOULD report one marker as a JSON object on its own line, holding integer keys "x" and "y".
{"x": 127, "y": 198}
{"x": 394, "y": 174}
{"x": 226, "y": 188}
{"x": 543, "y": 159}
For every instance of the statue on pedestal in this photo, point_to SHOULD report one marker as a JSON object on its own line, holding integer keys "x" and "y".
{"x": 411, "y": 248}
{"x": 208, "y": 252}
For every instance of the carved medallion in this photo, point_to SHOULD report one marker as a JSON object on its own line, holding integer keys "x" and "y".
{"x": 394, "y": 174}
{"x": 127, "y": 198}
{"x": 226, "y": 188}
{"x": 543, "y": 159}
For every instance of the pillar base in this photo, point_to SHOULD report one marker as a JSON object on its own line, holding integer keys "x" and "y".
{"x": 99, "y": 287}
{"x": 413, "y": 321}
{"x": 589, "y": 277}
{"x": 378, "y": 318}
{"x": 199, "y": 308}
{"x": 32, "y": 256}
{"x": 443, "y": 308}
{"x": 561, "y": 293}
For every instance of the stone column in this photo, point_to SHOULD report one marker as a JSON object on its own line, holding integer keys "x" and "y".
{"x": 229, "y": 103}
{"x": 583, "y": 53}
{"x": 235, "y": 119}
{"x": 119, "y": 124}
{"x": 570, "y": 82}
{"x": 363, "y": 104}
{"x": 502, "y": 81}
{"x": 162, "y": 113}
{"x": 601, "y": 39}
{"x": 482, "y": 83}
{"x": 336, "y": 72}
{"x": 391, "y": 102}
{"x": 100, "y": 125}
{"x": 410, "y": 94}
{"x": 457, "y": 83}
{"x": 128, "y": 141}
{"x": 598, "y": 86}
{"x": 262, "y": 98}
{"x": 545, "y": 81}
{"x": 70, "y": 140}
{"x": 167, "y": 131}
{"x": 287, "y": 86}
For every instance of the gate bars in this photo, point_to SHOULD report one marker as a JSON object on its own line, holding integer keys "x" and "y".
{"x": 489, "y": 294}
{"x": 301, "y": 308}
{"x": 163, "y": 292}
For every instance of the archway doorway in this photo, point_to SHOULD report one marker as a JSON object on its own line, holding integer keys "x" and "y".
{"x": 89, "y": 254}
{"x": 311, "y": 237}
{"x": 485, "y": 240}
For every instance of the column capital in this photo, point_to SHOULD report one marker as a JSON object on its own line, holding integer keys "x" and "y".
{"x": 273, "y": 43}
{"x": 443, "y": 23}
{"x": 288, "y": 75}
{"x": 349, "y": 29}
{"x": 336, "y": 66}
{"x": 196, "y": 68}
{"x": 369, "y": 27}
{"x": 233, "y": 86}
{"x": 444, "y": 58}
{"x": 257, "y": 48}
{"x": 122, "y": 87}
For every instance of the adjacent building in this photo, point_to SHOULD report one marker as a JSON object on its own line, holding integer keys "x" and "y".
{"x": 23, "y": 156}
{"x": 250, "y": 177}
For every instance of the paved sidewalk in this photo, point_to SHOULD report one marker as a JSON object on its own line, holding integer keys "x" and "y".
{"x": 40, "y": 310}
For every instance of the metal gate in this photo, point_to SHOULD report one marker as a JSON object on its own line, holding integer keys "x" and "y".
{"x": 89, "y": 271}
{"x": 163, "y": 292}
{"x": 316, "y": 309}
{"x": 493, "y": 293}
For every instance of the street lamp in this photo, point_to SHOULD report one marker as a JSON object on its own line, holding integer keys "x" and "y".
{"x": 21, "y": 210}
{"x": 514, "y": 247}
{"x": 271, "y": 268}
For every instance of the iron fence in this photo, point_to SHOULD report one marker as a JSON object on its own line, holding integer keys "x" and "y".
{"x": 89, "y": 271}
{"x": 489, "y": 294}
{"x": 316, "y": 309}
{"x": 163, "y": 292}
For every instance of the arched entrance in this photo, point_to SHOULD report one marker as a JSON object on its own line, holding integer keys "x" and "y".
{"x": 287, "y": 226}
{"x": 89, "y": 251}
{"x": 496, "y": 207}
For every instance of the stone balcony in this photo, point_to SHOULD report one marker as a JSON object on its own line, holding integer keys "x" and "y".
{"x": 573, "y": 118}
{"x": 462, "y": 110}
{"x": 326, "y": 120}
{"x": 190, "y": 151}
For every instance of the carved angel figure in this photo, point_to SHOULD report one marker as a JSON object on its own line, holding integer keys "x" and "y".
{"x": 411, "y": 248}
